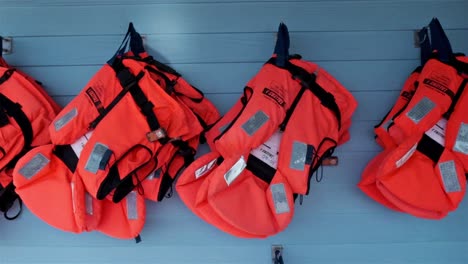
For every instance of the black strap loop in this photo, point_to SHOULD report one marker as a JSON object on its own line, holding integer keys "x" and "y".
{"x": 6, "y": 75}
{"x": 440, "y": 42}
{"x": 14, "y": 110}
{"x": 282, "y": 46}
{"x": 425, "y": 45}
{"x": 133, "y": 38}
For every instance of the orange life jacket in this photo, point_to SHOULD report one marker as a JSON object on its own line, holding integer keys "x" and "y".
{"x": 154, "y": 120}
{"x": 420, "y": 171}
{"x": 291, "y": 116}
{"x": 25, "y": 114}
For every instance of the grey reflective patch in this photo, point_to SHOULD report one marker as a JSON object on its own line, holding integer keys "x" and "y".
{"x": 94, "y": 160}
{"x": 89, "y": 204}
{"x": 255, "y": 122}
{"x": 449, "y": 176}
{"x": 60, "y": 123}
{"x": 37, "y": 163}
{"x": 298, "y": 156}
{"x": 279, "y": 198}
{"x": 132, "y": 212}
{"x": 461, "y": 143}
{"x": 420, "y": 110}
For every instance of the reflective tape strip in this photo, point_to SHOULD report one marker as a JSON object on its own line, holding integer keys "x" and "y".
{"x": 65, "y": 119}
{"x": 406, "y": 157}
{"x": 205, "y": 168}
{"x": 235, "y": 171}
{"x": 449, "y": 176}
{"x": 132, "y": 210}
{"x": 255, "y": 122}
{"x": 72, "y": 186}
{"x": 99, "y": 153}
{"x": 32, "y": 167}
{"x": 461, "y": 143}
{"x": 89, "y": 204}
{"x": 298, "y": 156}
{"x": 420, "y": 110}
{"x": 279, "y": 198}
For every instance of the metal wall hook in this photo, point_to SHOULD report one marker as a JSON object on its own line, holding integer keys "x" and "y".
{"x": 7, "y": 45}
{"x": 277, "y": 254}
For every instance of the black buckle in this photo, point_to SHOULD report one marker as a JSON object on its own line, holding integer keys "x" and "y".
{"x": 156, "y": 135}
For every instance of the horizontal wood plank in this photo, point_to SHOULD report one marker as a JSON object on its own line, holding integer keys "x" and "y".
{"x": 169, "y": 223}
{"x": 388, "y": 253}
{"x": 238, "y": 47}
{"x": 255, "y": 17}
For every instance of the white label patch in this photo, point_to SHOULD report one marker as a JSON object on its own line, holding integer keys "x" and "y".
{"x": 235, "y": 171}
{"x": 279, "y": 198}
{"x": 437, "y": 132}
{"x": 78, "y": 145}
{"x": 461, "y": 143}
{"x": 268, "y": 151}
{"x": 205, "y": 168}
{"x": 405, "y": 157}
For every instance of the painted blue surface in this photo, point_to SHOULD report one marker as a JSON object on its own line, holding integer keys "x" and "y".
{"x": 218, "y": 45}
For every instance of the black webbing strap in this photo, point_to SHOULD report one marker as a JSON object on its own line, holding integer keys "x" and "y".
{"x": 146, "y": 107}
{"x": 125, "y": 89}
{"x": 14, "y": 110}
{"x": 185, "y": 151}
{"x": 161, "y": 66}
{"x": 169, "y": 85}
{"x": 456, "y": 98}
{"x": 430, "y": 148}
{"x": 440, "y": 41}
{"x": 260, "y": 169}
{"x": 6, "y": 75}
{"x": 122, "y": 184}
{"x": 66, "y": 154}
{"x": 308, "y": 80}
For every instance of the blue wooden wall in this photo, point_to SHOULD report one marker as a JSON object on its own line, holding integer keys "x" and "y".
{"x": 218, "y": 45}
